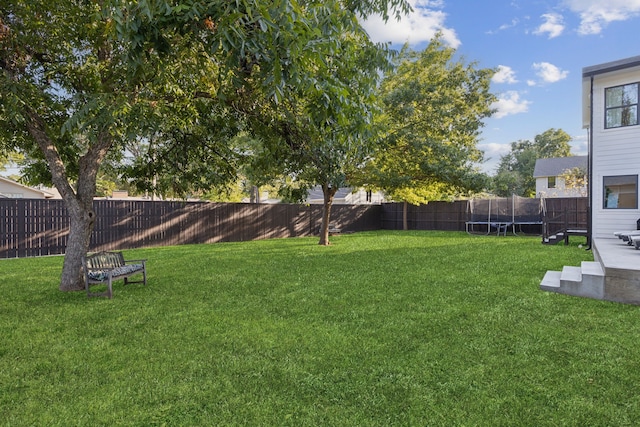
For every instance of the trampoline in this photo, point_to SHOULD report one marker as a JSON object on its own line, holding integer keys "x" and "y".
{"x": 499, "y": 214}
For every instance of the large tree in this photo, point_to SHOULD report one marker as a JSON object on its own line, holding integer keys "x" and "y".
{"x": 323, "y": 133}
{"x": 433, "y": 108}
{"x": 81, "y": 79}
{"x": 514, "y": 174}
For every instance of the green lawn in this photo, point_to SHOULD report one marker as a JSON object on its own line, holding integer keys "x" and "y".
{"x": 381, "y": 328}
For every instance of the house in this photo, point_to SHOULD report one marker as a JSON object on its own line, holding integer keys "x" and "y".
{"x": 610, "y": 101}
{"x": 10, "y": 189}
{"x": 346, "y": 196}
{"x": 610, "y": 97}
{"x": 549, "y": 180}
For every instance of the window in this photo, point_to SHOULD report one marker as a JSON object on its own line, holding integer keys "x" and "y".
{"x": 621, "y": 192}
{"x": 621, "y": 106}
{"x": 551, "y": 182}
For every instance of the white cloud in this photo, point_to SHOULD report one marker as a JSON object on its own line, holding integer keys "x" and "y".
{"x": 549, "y": 73}
{"x": 510, "y": 103}
{"x": 494, "y": 150}
{"x": 553, "y": 25}
{"x": 514, "y": 22}
{"x": 504, "y": 75}
{"x": 595, "y": 15}
{"x": 420, "y": 26}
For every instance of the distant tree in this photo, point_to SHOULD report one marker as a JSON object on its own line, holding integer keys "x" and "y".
{"x": 514, "y": 174}
{"x": 433, "y": 107}
{"x": 508, "y": 182}
{"x": 552, "y": 143}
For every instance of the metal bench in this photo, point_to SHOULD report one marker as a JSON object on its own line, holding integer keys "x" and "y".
{"x": 104, "y": 267}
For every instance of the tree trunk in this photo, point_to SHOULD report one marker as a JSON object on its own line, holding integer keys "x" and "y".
{"x": 81, "y": 218}
{"x": 405, "y": 223}
{"x": 328, "y": 193}
{"x": 79, "y": 202}
{"x": 81, "y": 221}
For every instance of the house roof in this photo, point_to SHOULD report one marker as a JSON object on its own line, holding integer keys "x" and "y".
{"x": 4, "y": 181}
{"x": 609, "y": 67}
{"x": 556, "y": 165}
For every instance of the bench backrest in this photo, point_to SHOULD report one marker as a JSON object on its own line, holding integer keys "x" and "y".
{"x": 105, "y": 260}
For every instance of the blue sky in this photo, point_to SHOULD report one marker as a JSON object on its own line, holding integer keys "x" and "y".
{"x": 539, "y": 48}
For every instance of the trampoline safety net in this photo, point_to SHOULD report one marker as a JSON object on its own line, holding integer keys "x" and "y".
{"x": 514, "y": 210}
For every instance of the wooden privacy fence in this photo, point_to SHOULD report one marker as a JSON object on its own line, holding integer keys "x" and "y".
{"x": 451, "y": 216}
{"x": 30, "y": 227}
{"x": 40, "y": 227}
{"x": 444, "y": 216}
{"x": 569, "y": 212}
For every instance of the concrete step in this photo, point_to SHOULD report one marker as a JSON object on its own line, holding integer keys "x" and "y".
{"x": 551, "y": 281}
{"x": 584, "y": 281}
{"x": 592, "y": 268}
{"x": 592, "y": 279}
{"x": 571, "y": 275}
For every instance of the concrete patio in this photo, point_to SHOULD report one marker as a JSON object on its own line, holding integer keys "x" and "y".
{"x": 614, "y": 275}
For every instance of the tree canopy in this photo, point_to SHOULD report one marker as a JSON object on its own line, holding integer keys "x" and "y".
{"x": 81, "y": 80}
{"x": 323, "y": 133}
{"x": 433, "y": 106}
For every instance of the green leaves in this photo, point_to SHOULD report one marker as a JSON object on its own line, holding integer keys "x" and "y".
{"x": 134, "y": 70}
{"x": 433, "y": 107}
{"x": 326, "y": 102}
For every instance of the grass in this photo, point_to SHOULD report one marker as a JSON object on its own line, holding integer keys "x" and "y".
{"x": 380, "y": 329}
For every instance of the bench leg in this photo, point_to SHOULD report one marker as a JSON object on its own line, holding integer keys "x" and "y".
{"x": 107, "y": 293}
{"x": 144, "y": 277}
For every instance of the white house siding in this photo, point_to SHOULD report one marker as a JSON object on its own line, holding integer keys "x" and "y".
{"x": 360, "y": 198}
{"x": 543, "y": 190}
{"x": 346, "y": 196}
{"x": 542, "y": 186}
{"x": 616, "y": 152}
{"x": 13, "y": 190}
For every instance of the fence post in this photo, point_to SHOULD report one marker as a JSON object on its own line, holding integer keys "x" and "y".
{"x": 566, "y": 226}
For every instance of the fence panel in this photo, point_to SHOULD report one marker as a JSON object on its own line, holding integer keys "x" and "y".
{"x": 443, "y": 216}
{"x": 451, "y": 216}
{"x": 576, "y": 210}
{"x": 31, "y": 227}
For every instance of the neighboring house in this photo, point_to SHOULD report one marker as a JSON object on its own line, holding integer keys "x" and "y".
{"x": 549, "y": 181}
{"x": 10, "y": 189}
{"x": 346, "y": 196}
{"x": 610, "y": 101}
